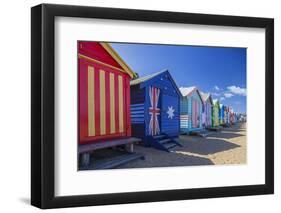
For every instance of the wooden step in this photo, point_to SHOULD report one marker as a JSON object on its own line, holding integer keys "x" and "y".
{"x": 159, "y": 136}
{"x": 164, "y": 141}
{"x": 176, "y": 140}
{"x": 169, "y": 145}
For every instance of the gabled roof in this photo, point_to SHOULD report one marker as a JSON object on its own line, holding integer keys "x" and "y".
{"x": 206, "y": 96}
{"x": 146, "y": 80}
{"x": 187, "y": 91}
{"x": 118, "y": 59}
{"x": 216, "y": 102}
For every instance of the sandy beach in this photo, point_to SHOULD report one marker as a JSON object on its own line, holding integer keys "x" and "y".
{"x": 228, "y": 146}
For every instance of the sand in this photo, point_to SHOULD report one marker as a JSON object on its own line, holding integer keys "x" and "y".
{"x": 227, "y": 146}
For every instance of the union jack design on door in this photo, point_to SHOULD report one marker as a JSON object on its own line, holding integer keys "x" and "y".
{"x": 154, "y": 111}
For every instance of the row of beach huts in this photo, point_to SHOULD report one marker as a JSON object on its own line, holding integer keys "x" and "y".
{"x": 119, "y": 109}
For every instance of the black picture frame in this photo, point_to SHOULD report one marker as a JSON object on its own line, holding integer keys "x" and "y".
{"x": 43, "y": 101}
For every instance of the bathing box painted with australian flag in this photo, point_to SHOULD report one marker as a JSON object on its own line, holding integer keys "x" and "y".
{"x": 155, "y": 102}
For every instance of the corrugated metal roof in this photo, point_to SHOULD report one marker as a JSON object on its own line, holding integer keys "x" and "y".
{"x": 146, "y": 78}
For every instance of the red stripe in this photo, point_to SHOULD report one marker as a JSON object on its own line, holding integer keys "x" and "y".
{"x": 116, "y": 85}
{"x": 107, "y": 104}
{"x": 97, "y": 101}
{"x": 83, "y": 100}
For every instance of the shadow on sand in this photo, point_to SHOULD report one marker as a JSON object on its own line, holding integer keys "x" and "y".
{"x": 189, "y": 160}
{"x": 236, "y": 128}
{"x": 210, "y": 146}
{"x": 175, "y": 158}
{"x": 226, "y": 135}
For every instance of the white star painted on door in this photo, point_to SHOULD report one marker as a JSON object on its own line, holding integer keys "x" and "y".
{"x": 170, "y": 112}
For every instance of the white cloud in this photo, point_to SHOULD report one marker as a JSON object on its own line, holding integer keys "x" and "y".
{"x": 237, "y": 90}
{"x": 217, "y": 88}
{"x": 222, "y": 98}
{"x": 228, "y": 95}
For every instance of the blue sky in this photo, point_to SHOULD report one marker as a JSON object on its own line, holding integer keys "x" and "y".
{"x": 218, "y": 70}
